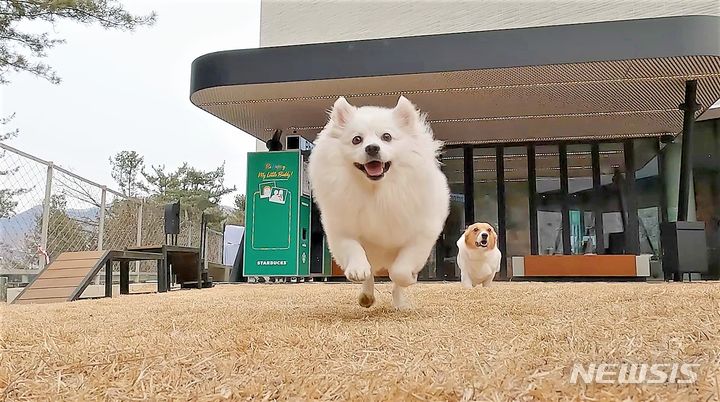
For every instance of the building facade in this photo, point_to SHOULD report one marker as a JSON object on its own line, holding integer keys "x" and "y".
{"x": 295, "y": 22}
{"x": 594, "y": 197}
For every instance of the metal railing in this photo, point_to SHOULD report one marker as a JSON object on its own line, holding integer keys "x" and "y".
{"x": 46, "y": 210}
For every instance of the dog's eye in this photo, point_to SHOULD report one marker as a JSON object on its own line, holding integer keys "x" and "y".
{"x": 386, "y": 137}
{"x": 356, "y": 140}
{"x": 476, "y": 230}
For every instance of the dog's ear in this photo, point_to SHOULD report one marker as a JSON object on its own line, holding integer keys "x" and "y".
{"x": 406, "y": 113}
{"x": 341, "y": 112}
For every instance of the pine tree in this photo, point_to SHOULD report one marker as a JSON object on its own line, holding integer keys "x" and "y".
{"x": 198, "y": 191}
{"x": 126, "y": 168}
{"x": 22, "y": 50}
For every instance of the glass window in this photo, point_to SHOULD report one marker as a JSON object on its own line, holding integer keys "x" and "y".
{"x": 444, "y": 266}
{"x": 706, "y": 183}
{"x": 612, "y": 166}
{"x": 549, "y": 200}
{"x": 517, "y": 213}
{"x": 648, "y": 193}
{"x": 580, "y": 199}
{"x": 485, "y": 194}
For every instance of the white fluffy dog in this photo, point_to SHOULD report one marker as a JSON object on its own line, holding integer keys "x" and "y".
{"x": 478, "y": 255}
{"x": 382, "y": 197}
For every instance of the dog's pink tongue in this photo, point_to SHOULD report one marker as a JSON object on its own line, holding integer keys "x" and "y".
{"x": 374, "y": 168}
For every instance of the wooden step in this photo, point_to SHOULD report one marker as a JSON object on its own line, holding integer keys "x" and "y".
{"x": 40, "y": 301}
{"x": 33, "y": 293}
{"x": 79, "y": 255}
{"x": 46, "y": 283}
{"x": 65, "y": 273}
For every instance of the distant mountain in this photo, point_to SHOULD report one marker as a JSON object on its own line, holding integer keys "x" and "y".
{"x": 14, "y": 229}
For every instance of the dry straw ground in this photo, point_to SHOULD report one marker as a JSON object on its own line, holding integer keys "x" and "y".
{"x": 311, "y": 341}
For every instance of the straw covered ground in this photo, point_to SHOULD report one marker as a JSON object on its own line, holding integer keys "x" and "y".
{"x": 513, "y": 341}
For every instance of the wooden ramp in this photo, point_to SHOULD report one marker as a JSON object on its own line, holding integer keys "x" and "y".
{"x": 65, "y": 279}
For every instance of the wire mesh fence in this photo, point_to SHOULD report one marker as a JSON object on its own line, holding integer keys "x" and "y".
{"x": 46, "y": 210}
{"x": 22, "y": 189}
{"x": 74, "y": 216}
{"x": 214, "y": 243}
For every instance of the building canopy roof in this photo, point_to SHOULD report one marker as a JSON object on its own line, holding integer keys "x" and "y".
{"x": 620, "y": 79}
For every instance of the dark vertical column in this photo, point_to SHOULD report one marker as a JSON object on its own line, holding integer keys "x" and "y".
{"x": 201, "y": 255}
{"x": 124, "y": 277}
{"x": 160, "y": 276}
{"x": 163, "y": 283}
{"x": 662, "y": 178}
{"x": 716, "y": 130}
{"x": 532, "y": 200}
{"x": 562, "y": 148}
{"x": 108, "y": 278}
{"x": 597, "y": 200}
{"x": 469, "y": 184}
{"x": 632, "y": 229}
{"x": 439, "y": 257}
{"x": 500, "y": 167}
{"x": 689, "y": 108}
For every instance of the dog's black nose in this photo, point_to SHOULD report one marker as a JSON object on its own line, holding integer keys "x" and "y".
{"x": 484, "y": 236}
{"x": 372, "y": 149}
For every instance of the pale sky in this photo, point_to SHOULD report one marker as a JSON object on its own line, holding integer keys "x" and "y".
{"x": 130, "y": 91}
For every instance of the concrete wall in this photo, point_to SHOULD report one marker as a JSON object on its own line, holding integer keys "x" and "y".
{"x": 287, "y": 22}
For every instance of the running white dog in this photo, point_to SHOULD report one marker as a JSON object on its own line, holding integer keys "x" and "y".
{"x": 382, "y": 197}
{"x": 478, "y": 255}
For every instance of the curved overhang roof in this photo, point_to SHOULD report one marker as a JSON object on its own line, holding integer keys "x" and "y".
{"x": 619, "y": 79}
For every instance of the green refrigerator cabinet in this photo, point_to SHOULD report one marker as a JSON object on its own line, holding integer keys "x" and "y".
{"x": 277, "y": 215}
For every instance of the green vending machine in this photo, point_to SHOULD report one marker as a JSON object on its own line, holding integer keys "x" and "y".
{"x": 277, "y": 215}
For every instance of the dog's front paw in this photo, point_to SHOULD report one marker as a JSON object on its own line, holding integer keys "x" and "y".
{"x": 402, "y": 304}
{"x": 399, "y": 298}
{"x": 358, "y": 273}
{"x": 366, "y": 300}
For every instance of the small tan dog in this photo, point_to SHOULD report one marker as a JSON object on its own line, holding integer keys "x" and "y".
{"x": 478, "y": 255}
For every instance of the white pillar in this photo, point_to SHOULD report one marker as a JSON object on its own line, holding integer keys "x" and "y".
{"x": 46, "y": 213}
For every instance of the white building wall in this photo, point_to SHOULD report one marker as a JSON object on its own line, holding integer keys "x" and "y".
{"x": 289, "y": 22}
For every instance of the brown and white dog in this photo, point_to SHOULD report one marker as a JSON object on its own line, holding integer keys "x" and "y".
{"x": 478, "y": 255}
